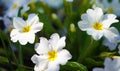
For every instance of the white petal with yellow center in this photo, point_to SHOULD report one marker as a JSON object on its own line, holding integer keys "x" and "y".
{"x": 98, "y": 26}
{"x": 26, "y": 29}
{"x": 25, "y": 32}
{"x": 52, "y": 55}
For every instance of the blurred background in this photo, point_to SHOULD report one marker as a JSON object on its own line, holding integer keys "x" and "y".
{"x": 58, "y": 16}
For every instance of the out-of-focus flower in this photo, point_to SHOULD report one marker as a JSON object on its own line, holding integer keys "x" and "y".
{"x": 51, "y": 53}
{"x": 110, "y": 7}
{"x": 110, "y": 65}
{"x": 13, "y": 6}
{"x": 24, "y": 9}
{"x": 116, "y": 39}
{"x": 8, "y": 24}
{"x": 24, "y": 31}
{"x": 110, "y": 45}
{"x": 97, "y": 24}
{"x": 69, "y": 0}
{"x": 55, "y": 3}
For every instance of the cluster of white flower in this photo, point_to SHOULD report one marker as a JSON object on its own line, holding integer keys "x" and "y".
{"x": 50, "y": 53}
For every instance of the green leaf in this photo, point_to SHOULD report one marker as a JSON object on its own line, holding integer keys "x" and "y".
{"x": 73, "y": 66}
{"x": 3, "y": 59}
{"x": 48, "y": 29}
{"x": 107, "y": 54}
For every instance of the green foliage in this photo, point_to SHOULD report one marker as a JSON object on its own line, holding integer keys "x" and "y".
{"x": 73, "y": 66}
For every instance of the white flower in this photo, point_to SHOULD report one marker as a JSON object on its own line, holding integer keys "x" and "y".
{"x": 50, "y": 53}
{"x": 24, "y": 31}
{"x": 13, "y": 6}
{"x": 110, "y": 65}
{"x": 110, "y": 7}
{"x": 97, "y": 24}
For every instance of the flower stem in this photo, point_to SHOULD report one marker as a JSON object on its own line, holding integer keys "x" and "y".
{"x": 20, "y": 55}
{"x": 5, "y": 48}
{"x": 86, "y": 51}
{"x": 13, "y": 54}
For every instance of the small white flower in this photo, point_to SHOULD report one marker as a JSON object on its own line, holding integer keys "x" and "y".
{"x": 110, "y": 7}
{"x": 110, "y": 65}
{"x": 13, "y": 6}
{"x": 50, "y": 53}
{"x": 24, "y": 31}
{"x": 97, "y": 24}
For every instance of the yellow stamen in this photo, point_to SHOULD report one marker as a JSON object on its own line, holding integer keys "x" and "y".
{"x": 52, "y": 55}
{"x": 98, "y": 26}
{"x": 15, "y": 6}
{"x": 26, "y": 29}
{"x": 110, "y": 10}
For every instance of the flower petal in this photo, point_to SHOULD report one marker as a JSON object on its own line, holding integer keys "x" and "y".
{"x": 14, "y": 34}
{"x": 83, "y": 25}
{"x": 95, "y": 14}
{"x": 63, "y": 57}
{"x": 61, "y": 43}
{"x": 107, "y": 61}
{"x": 95, "y": 34}
{"x": 32, "y": 19}
{"x": 109, "y": 44}
{"x": 52, "y": 67}
{"x": 37, "y": 27}
{"x": 111, "y": 34}
{"x": 54, "y": 38}
{"x": 98, "y": 69}
{"x": 18, "y": 23}
{"x": 43, "y": 46}
{"x": 109, "y": 19}
{"x": 40, "y": 61}
{"x": 26, "y": 37}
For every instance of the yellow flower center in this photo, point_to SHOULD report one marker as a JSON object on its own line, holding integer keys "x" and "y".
{"x": 110, "y": 10}
{"x": 98, "y": 26}
{"x": 52, "y": 55}
{"x": 26, "y": 29}
{"x": 15, "y": 6}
